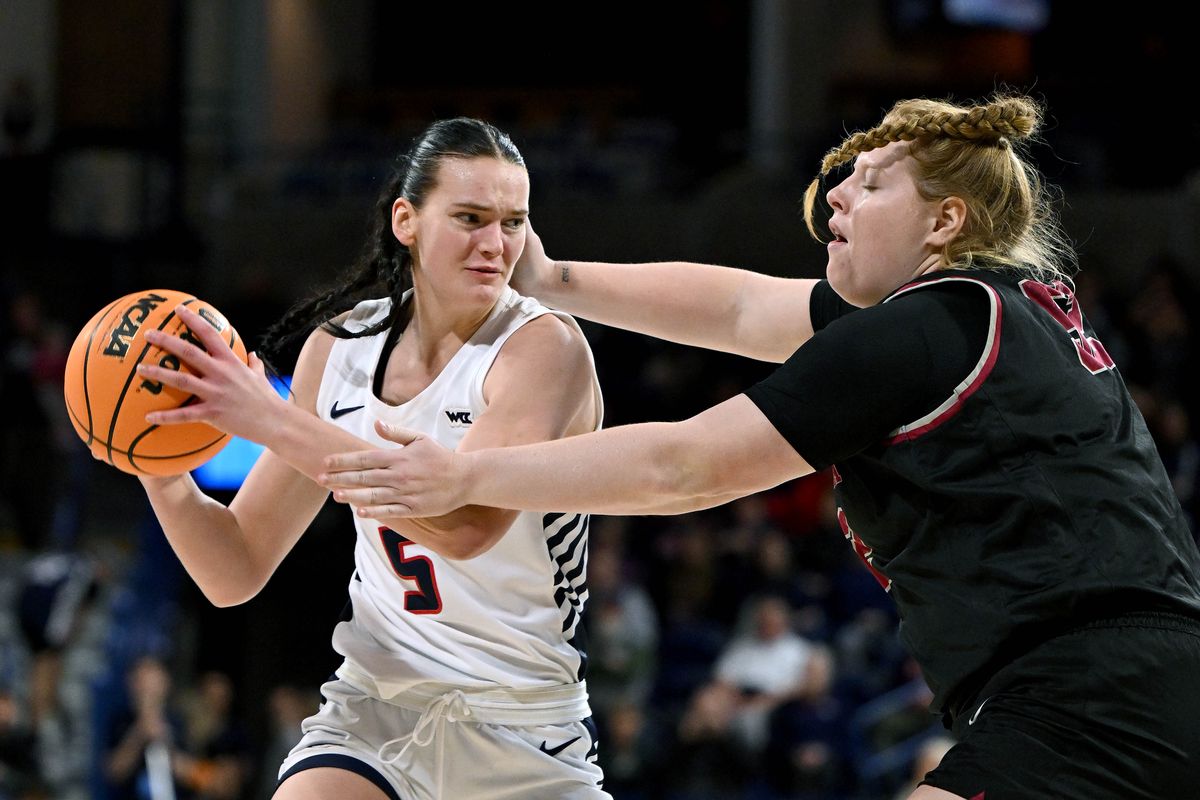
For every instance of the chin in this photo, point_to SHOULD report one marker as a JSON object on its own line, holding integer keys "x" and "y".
{"x": 486, "y": 294}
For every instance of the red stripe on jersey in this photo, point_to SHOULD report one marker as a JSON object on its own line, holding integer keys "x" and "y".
{"x": 985, "y": 365}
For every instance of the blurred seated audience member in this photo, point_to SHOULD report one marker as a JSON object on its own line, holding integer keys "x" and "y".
{"x": 632, "y": 755}
{"x": 757, "y": 672}
{"x": 805, "y": 753}
{"x": 288, "y": 706}
{"x": 33, "y": 427}
{"x": 622, "y": 630}
{"x": 54, "y": 595}
{"x": 18, "y": 751}
{"x": 144, "y": 742}
{"x": 219, "y": 762}
{"x": 908, "y": 719}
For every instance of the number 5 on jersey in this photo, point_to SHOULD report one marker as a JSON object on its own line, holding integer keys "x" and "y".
{"x": 425, "y": 599}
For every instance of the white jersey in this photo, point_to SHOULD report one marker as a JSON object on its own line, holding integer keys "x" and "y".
{"x": 423, "y": 624}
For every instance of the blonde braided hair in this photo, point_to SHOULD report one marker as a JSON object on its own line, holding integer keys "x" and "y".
{"x": 974, "y": 153}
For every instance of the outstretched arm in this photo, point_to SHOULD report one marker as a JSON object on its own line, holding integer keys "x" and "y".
{"x": 718, "y": 308}
{"x": 726, "y": 452}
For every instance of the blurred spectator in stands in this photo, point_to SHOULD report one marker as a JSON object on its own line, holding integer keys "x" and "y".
{"x": 869, "y": 655}
{"x": 776, "y": 570}
{"x": 622, "y": 628}
{"x": 288, "y": 706}
{"x": 1095, "y": 297}
{"x": 55, "y": 592}
{"x": 220, "y": 763}
{"x": 144, "y": 743}
{"x": 1160, "y": 333}
{"x": 18, "y": 757}
{"x": 632, "y": 753}
{"x": 907, "y": 714}
{"x": 1170, "y": 424}
{"x": 759, "y": 670}
{"x": 807, "y": 746}
{"x": 31, "y": 408}
{"x": 687, "y": 582}
{"x": 693, "y": 603}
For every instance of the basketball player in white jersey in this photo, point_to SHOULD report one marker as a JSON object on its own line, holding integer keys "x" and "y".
{"x": 462, "y": 675}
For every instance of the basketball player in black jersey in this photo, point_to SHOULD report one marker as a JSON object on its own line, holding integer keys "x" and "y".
{"x": 990, "y": 466}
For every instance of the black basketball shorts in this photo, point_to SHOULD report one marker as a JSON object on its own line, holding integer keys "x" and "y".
{"x": 1109, "y": 711}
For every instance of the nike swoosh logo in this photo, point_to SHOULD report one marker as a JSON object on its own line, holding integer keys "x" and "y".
{"x": 553, "y": 751}
{"x": 975, "y": 716}
{"x": 336, "y": 412}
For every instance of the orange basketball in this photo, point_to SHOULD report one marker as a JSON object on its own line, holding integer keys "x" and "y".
{"x": 108, "y": 400}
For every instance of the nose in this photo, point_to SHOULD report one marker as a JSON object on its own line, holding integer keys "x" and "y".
{"x": 490, "y": 241}
{"x": 834, "y": 198}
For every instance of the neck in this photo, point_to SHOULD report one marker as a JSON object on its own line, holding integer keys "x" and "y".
{"x": 434, "y": 327}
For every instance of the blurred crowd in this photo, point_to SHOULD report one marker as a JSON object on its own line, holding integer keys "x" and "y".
{"x": 741, "y": 652}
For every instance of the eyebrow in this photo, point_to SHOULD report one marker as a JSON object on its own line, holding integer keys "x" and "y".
{"x": 523, "y": 212}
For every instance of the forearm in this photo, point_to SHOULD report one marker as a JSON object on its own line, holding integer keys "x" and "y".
{"x": 633, "y": 469}
{"x": 303, "y": 440}
{"x": 207, "y": 538}
{"x": 694, "y": 304}
{"x": 719, "y": 308}
{"x": 464, "y": 533}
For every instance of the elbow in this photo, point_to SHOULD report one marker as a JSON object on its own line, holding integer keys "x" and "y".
{"x": 227, "y": 595}
{"x": 677, "y": 474}
{"x": 683, "y": 474}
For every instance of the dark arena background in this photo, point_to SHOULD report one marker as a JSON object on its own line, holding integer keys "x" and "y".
{"x": 233, "y": 150}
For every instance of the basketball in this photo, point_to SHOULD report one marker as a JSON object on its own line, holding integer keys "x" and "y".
{"x": 107, "y": 400}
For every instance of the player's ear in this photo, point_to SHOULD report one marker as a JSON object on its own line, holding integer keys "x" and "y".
{"x": 949, "y": 221}
{"x": 404, "y": 221}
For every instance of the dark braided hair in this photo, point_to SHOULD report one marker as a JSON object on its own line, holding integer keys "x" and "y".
{"x": 385, "y": 266}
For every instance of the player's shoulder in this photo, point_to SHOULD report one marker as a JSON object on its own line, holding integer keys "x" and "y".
{"x": 546, "y": 348}
{"x": 958, "y": 292}
{"x": 544, "y": 345}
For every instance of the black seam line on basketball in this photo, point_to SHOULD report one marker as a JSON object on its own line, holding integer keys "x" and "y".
{"x": 112, "y": 426}
{"x": 119, "y": 451}
{"x": 129, "y": 456}
{"x": 132, "y": 372}
{"x": 87, "y": 354}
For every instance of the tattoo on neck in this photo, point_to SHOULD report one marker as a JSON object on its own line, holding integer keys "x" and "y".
{"x": 566, "y": 274}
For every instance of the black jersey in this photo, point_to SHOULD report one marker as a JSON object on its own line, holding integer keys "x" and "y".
{"x": 1027, "y": 500}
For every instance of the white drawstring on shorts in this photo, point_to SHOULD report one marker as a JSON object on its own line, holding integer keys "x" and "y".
{"x": 449, "y": 707}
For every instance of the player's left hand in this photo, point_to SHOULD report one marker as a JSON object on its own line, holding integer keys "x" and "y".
{"x": 419, "y": 479}
{"x": 534, "y": 270}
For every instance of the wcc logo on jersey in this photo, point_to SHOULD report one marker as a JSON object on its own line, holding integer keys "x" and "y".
{"x": 459, "y": 417}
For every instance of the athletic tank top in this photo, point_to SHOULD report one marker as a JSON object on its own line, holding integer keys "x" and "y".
{"x": 509, "y": 618}
{"x": 1031, "y": 501}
